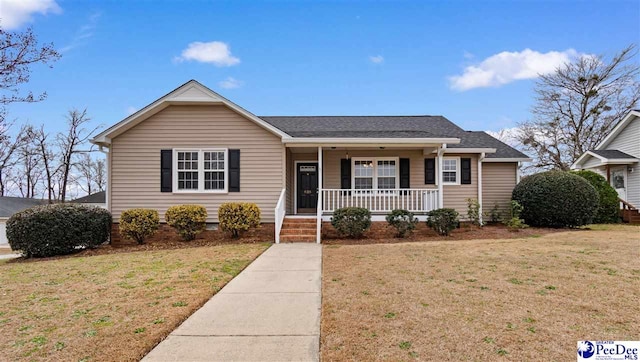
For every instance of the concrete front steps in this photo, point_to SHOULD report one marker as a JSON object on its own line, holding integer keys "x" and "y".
{"x": 298, "y": 230}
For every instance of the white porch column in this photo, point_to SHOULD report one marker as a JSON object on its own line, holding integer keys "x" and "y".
{"x": 319, "y": 209}
{"x": 480, "y": 159}
{"x": 439, "y": 176}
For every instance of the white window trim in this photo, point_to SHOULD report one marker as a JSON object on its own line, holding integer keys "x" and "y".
{"x": 458, "y": 171}
{"x": 201, "y": 170}
{"x": 375, "y": 170}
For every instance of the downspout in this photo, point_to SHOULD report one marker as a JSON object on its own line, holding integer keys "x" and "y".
{"x": 439, "y": 176}
{"x": 107, "y": 197}
{"x": 480, "y": 159}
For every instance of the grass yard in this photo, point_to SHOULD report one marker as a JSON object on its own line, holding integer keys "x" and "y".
{"x": 511, "y": 299}
{"x": 108, "y": 307}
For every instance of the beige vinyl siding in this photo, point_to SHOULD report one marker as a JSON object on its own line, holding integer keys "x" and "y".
{"x": 498, "y": 181}
{"x": 135, "y": 157}
{"x": 292, "y": 158}
{"x": 628, "y": 141}
{"x": 454, "y": 195}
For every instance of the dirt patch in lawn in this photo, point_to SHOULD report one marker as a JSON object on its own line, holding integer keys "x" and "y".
{"x": 382, "y": 233}
{"x": 109, "y": 307}
{"x": 519, "y": 299}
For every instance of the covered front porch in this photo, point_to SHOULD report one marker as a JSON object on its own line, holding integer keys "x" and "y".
{"x": 321, "y": 178}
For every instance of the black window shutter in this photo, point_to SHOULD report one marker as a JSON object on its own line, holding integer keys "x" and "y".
{"x": 465, "y": 165}
{"x": 430, "y": 171}
{"x": 404, "y": 173}
{"x": 234, "y": 170}
{"x": 166, "y": 164}
{"x": 345, "y": 173}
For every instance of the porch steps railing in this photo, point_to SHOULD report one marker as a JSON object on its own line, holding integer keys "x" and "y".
{"x": 280, "y": 212}
{"x": 629, "y": 213}
{"x": 380, "y": 200}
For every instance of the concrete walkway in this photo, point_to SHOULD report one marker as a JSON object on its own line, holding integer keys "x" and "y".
{"x": 269, "y": 312}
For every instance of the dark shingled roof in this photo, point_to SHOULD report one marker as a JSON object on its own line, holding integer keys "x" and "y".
{"x": 11, "y": 205}
{"x": 390, "y": 127}
{"x": 611, "y": 154}
{"x": 97, "y": 198}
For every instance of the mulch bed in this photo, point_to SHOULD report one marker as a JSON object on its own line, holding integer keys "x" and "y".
{"x": 169, "y": 239}
{"x": 382, "y": 233}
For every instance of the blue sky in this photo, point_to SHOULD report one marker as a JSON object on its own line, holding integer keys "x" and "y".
{"x": 313, "y": 58}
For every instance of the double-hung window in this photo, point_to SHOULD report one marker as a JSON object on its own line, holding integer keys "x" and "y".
{"x": 450, "y": 171}
{"x": 202, "y": 170}
{"x": 375, "y": 173}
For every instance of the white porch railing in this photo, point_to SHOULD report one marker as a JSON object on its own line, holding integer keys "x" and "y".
{"x": 280, "y": 211}
{"x": 380, "y": 200}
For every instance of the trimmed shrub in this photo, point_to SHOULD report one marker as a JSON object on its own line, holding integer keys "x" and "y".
{"x": 351, "y": 221}
{"x": 188, "y": 220}
{"x": 58, "y": 229}
{"x": 139, "y": 224}
{"x": 556, "y": 199}
{"x": 608, "y": 206}
{"x": 515, "y": 223}
{"x": 473, "y": 211}
{"x": 443, "y": 221}
{"x": 403, "y": 220}
{"x": 236, "y": 217}
{"x": 494, "y": 215}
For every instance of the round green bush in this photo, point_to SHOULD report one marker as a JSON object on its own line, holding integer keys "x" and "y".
{"x": 139, "y": 224}
{"x": 403, "y": 221}
{"x": 351, "y": 221}
{"x": 58, "y": 229}
{"x": 556, "y": 199}
{"x": 443, "y": 221}
{"x": 608, "y": 208}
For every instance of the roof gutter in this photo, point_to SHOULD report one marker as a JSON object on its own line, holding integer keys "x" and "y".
{"x": 366, "y": 141}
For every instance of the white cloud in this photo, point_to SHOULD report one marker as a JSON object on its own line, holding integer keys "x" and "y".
{"x": 509, "y": 136}
{"x": 84, "y": 33}
{"x": 230, "y": 83}
{"x": 376, "y": 59}
{"x": 15, "y": 13}
{"x": 215, "y": 52}
{"x": 131, "y": 110}
{"x": 507, "y": 67}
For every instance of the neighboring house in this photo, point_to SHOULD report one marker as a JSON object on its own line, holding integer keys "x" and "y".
{"x": 195, "y": 146}
{"x": 617, "y": 158}
{"x": 96, "y": 199}
{"x": 8, "y": 207}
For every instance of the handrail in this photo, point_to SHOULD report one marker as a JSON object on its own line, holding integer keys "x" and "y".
{"x": 280, "y": 212}
{"x": 626, "y": 205}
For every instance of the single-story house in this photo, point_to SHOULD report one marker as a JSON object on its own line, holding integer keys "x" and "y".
{"x": 195, "y": 146}
{"x": 8, "y": 207}
{"x": 617, "y": 158}
{"x": 96, "y": 199}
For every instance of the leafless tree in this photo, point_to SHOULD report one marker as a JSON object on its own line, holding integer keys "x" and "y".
{"x": 28, "y": 170}
{"x": 8, "y": 147}
{"x": 577, "y": 106}
{"x": 42, "y": 145}
{"x": 19, "y": 51}
{"x": 91, "y": 174}
{"x": 69, "y": 144}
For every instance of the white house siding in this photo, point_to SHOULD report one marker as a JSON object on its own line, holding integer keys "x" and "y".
{"x": 3, "y": 233}
{"x": 628, "y": 141}
{"x": 135, "y": 160}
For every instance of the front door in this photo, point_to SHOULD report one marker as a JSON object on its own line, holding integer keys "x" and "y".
{"x": 307, "y": 187}
{"x": 619, "y": 181}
